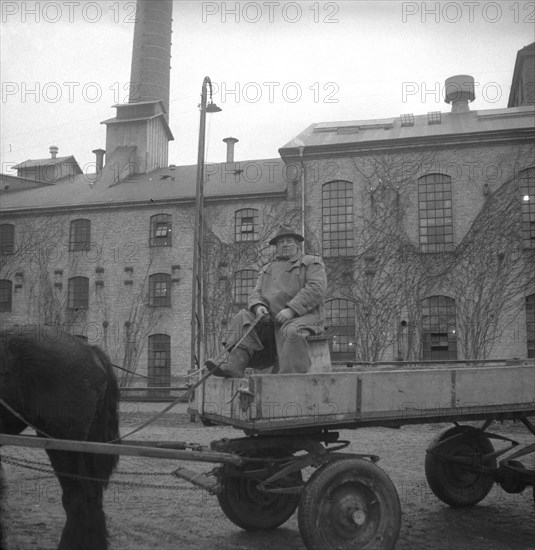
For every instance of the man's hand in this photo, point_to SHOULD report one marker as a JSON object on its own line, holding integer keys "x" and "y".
{"x": 285, "y": 315}
{"x": 260, "y": 311}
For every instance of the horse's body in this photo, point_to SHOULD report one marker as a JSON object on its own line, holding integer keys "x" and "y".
{"x": 66, "y": 389}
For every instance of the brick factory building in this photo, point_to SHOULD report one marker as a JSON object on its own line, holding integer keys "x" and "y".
{"x": 426, "y": 224}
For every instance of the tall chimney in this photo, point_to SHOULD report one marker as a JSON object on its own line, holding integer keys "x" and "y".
{"x": 230, "y": 141}
{"x": 137, "y": 138}
{"x": 151, "y": 53}
{"x": 54, "y": 151}
{"x": 459, "y": 91}
{"x": 99, "y": 161}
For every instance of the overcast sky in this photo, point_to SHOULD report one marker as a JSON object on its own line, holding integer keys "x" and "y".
{"x": 277, "y": 66}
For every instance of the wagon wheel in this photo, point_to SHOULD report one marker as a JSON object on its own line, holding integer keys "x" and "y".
{"x": 252, "y": 509}
{"x": 349, "y": 504}
{"x": 457, "y": 484}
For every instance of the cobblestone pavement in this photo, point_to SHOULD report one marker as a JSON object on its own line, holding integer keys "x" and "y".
{"x": 183, "y": 517}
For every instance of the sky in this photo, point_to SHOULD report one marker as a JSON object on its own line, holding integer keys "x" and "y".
{"x": 277, "y": 67}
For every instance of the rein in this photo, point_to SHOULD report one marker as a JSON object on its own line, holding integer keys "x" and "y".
{"x": 130, "y": 371}
{"x": 17, "y": 415}
{"x": 189, "y": 392}
{"x": 150, "y": 377}
{"x": 186, "y": 395}
{"x": 183, "y": 397}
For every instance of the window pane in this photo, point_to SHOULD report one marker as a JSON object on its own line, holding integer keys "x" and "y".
{"x": 530, "y": 325}
{"x": 337, "y": 218}
{"x": 78, "y": 293}
{"x": 246, "y": 225}
{"x": 6, "y": 293}
{"x": 80, "y": 235}
{"x": 341, "y": 324}
{"x": 244, "y": 282}
{"x": 434, "y": 208}
{"x": 161, "y": 230}
{"x": 527, "y": 191}
{"x": 438, "y": 329}
{"x": 159, "y": 366}
{"x": 7, "y": 238}
{"x": 160, "y": 290}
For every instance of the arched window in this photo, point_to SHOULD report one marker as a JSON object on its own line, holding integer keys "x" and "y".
{"x": 7, "y": 239}
{"x": 244, "y": 282}
{"x": 159, "y": 364}
{"x": 337, "y": 219}
{"x": 246, "y": 224}
{"x": 340, "y": 315}
{"x": 6, "y": 294}
{"x": 160, "y": 290}
{"x": 530, "y": 325}
{"x": 78, "y": 293}
{"x": 439, "y": 333}
{"x": 160, "y": 230}
{"x": 80, "y": 235}
{"x": 526, "y": 184}
{"x": 435, "y": 213}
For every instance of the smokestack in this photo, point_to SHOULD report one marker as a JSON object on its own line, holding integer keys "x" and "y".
{"x": 151, "y": 54}
{"x": 54, "y": 151}
{"x": 137, "y": 138}
{"x": 230, "y": 141}
{"x": 459, "y": 91}
{"x": 99, "y": 154}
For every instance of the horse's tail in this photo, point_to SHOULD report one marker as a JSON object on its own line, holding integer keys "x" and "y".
{"x": 105, "y": 427}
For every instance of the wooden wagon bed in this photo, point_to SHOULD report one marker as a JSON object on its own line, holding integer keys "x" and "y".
{"x": 380, "y": 396}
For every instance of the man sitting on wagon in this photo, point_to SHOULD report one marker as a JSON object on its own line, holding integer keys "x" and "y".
{"x": 289, "y": 296}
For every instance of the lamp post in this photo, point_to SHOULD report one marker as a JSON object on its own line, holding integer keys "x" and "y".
{"x": 197, "y": 321}
{"x": 301, "y": 150}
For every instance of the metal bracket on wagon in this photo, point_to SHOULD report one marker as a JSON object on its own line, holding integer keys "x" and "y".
{"x": 245, "y": 394}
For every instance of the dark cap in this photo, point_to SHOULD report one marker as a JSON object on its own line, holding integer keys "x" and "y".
{"x": 286, "y": 231}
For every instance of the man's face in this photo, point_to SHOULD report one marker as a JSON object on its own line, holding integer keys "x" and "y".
{"x": 286, "y": 247}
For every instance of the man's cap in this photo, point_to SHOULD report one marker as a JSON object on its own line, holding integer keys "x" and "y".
{"x": 286, "y": 231}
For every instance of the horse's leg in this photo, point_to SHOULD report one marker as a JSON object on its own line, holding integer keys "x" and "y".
{"x": 9, "y": 424}
{"x": 2, "y": 505}
{"x": 85, "y": 525}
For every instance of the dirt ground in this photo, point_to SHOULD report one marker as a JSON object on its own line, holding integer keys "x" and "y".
{"x": 176, "y": 515}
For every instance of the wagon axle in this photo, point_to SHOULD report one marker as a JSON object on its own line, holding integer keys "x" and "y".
{"x": 461, "y": 465}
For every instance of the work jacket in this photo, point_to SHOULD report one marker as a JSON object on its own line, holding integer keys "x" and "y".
{"x": 300, "y": 284}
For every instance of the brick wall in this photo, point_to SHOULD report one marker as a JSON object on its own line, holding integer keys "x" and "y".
{"x": 476, "y": 173}
{"x": 120, "y": 259}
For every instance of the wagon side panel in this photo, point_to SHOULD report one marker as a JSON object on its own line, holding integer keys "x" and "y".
{"x": 491, "y": 386}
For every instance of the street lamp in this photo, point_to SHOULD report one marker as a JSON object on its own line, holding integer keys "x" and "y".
{"x": 301, "y": 149}
{"x": 197, "y": 321}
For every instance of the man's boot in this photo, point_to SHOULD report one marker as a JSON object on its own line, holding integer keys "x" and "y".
{"x": 238, "y": 361}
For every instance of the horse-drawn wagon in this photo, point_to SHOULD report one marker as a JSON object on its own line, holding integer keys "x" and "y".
{"x": 349, "y": 502}
{"x": 292, "y": 422}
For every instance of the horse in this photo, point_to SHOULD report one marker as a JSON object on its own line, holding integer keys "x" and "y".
{"x": 64, "y": 388}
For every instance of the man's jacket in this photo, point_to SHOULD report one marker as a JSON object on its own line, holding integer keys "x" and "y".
{"x": 300, "y": 284}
